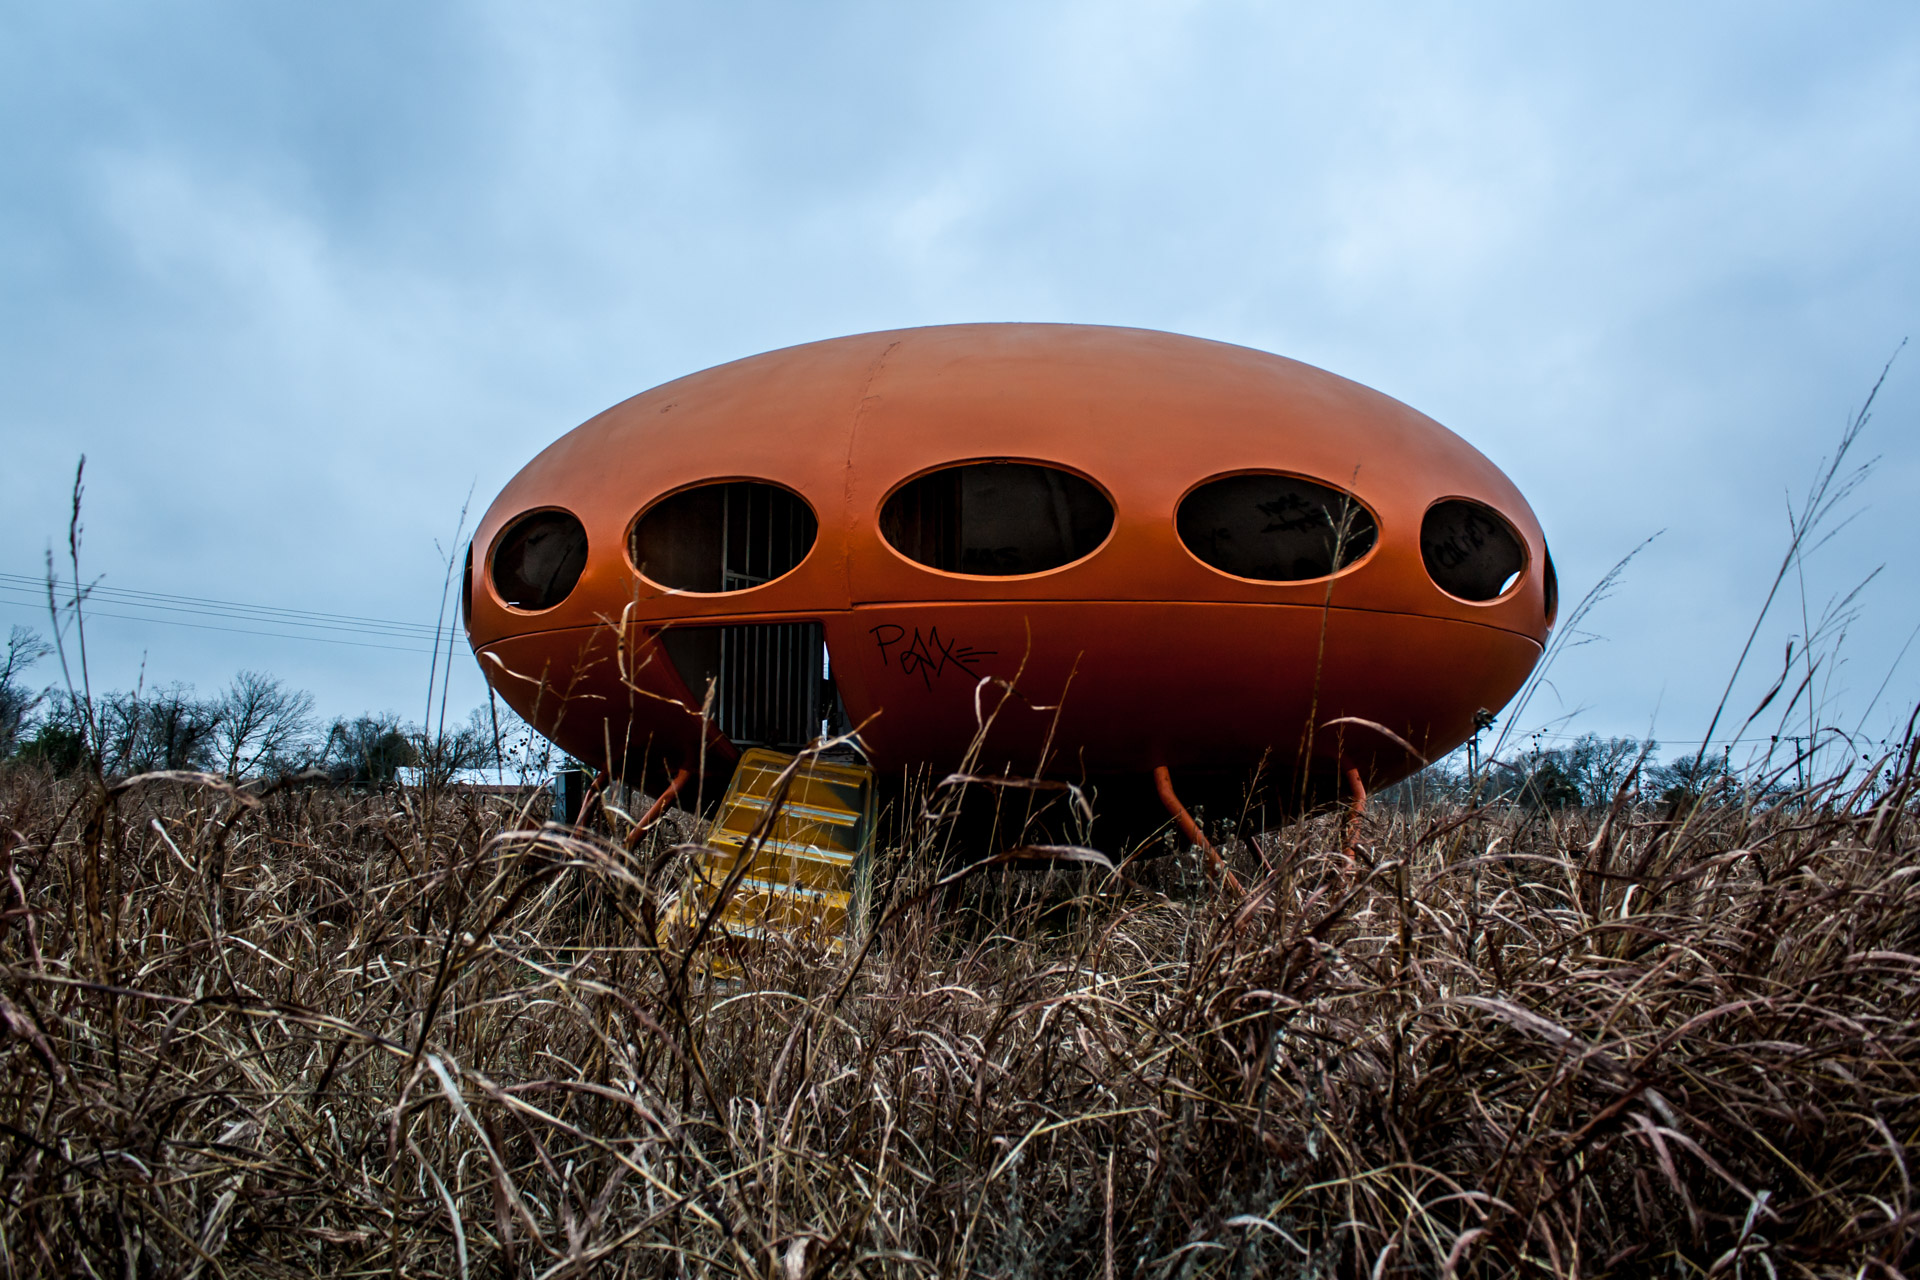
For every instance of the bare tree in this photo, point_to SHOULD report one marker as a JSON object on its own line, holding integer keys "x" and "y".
{"x": 1598, "y": 766}
{"x": 518, "y": 749}
{"x": 371, "y": 750}
{"x": 163, "y": 728}
{"x": 445, "y": 756}
{"x": 261, "y": 723}
{"x": 24, "y": 648}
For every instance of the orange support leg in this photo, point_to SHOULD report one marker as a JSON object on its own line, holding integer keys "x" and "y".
{"x": 1163, "y": 784}
{"x": 658, "y": 807}
{"x": 1356, "y": 810}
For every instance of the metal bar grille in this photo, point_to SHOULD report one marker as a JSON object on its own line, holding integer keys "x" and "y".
{"x": 764, "y": 532}
{"x": 771, "y": 689}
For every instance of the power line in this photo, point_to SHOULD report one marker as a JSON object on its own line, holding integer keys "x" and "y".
{"x": 29, "y": 594}
{"x": 37, "y": 587}
{"x": 208, "y": 626}
{"x": 153, "y": 613}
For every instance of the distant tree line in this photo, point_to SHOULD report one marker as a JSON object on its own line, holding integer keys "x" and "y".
{"x": 256, "y": 726}
{"x": 1586, "y": 773}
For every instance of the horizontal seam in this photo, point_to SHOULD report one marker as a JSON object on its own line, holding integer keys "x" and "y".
{"x": 803, "y": 614}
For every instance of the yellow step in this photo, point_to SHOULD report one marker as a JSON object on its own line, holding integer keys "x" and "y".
{"x": 805, "y": 875}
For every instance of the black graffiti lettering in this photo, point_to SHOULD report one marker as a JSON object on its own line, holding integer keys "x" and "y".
{"x": 887, "y": 634}
{"x": 928, "y": 654}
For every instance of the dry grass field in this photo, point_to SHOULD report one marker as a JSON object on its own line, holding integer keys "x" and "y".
{"x": 311, "y": 1031}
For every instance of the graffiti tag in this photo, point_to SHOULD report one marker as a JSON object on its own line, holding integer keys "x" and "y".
{"x": 928, "y": 654}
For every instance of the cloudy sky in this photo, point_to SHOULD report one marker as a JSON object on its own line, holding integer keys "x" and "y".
{"x": 296, "y": 279}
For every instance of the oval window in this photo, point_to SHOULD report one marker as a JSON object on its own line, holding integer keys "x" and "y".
{"x": 538, "y": 559}
{"x": 722, "y": 537}
{"x": 1553, "y": 590}
{"x": 1470, "y": 549}
{"x": 996, "y": 519}
{"x": 1275, "y": 528}
{"x": 466, "y": 590}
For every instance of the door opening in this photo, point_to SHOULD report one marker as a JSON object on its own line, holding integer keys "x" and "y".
{"x": 771, "y": 686}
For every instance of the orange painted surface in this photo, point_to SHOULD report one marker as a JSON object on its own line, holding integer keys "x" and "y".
{"x": 1151, "y": 656}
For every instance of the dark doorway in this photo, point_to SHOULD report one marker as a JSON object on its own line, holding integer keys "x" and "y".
{"x": 769, "y": 679}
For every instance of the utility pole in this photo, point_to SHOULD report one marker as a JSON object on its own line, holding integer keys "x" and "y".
{"x": 1482, "y": 721}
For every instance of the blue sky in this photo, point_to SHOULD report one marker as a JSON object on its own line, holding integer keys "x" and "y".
{"x": 295, "y": 279}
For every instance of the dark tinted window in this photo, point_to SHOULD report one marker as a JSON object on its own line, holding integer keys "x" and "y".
{"x": 996, "y": 518}
{"x": 1470, "y": 549}
{"x": 539, "y": 559}
{"x": 466, "y": 589}
{"x": 1553, "y": 591}
{"x": 723, "y": 537}
{"x": 1275, "y": 528}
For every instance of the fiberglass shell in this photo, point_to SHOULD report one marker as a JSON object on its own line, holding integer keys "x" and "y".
{"x": 1153, "y": 629}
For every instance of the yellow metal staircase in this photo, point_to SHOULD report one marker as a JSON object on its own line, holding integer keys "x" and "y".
{"x": 805, "y": 870}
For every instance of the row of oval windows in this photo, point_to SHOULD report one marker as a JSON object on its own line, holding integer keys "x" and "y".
{"x": 994, "y": 519}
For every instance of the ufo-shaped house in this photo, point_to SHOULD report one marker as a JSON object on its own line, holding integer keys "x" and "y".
{"x": 1175, "y": 554}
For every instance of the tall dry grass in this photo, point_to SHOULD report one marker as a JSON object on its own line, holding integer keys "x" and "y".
{"x": 315, "y": 1031}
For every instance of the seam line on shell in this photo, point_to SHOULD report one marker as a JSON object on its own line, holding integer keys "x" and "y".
{"x": 733, "y": 619}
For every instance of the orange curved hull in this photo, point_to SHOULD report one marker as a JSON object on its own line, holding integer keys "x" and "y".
{"x": 1138, "y": 653}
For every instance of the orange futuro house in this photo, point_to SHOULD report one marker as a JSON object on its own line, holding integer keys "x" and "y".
{"x": 1181, "y": 555}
